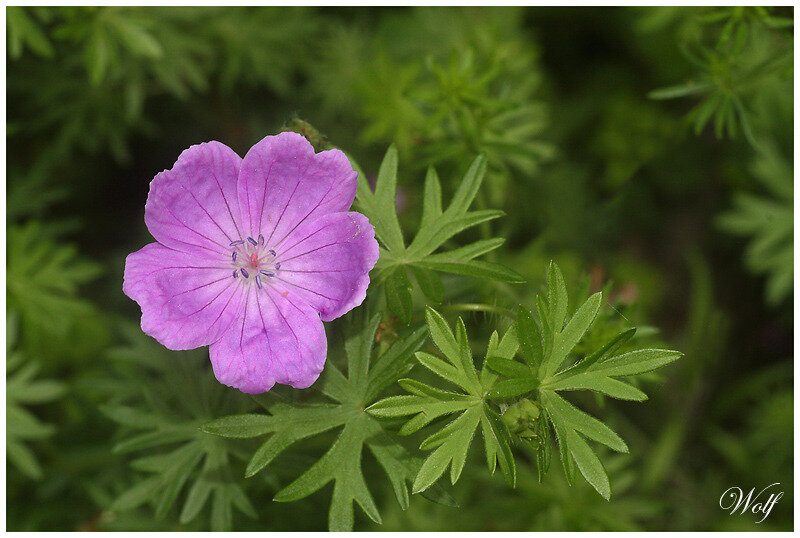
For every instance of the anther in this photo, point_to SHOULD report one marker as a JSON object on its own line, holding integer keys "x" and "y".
{"x": 239, "y": 242}
{"x": 258, "y": 281}
{"x": 278, "y": 266}
{"x": 272, "y": 252}
{"x": 266, "y": 273}
{"x": 252, "y": 241}
{"x": 235, "y": 273}
{"x": 234, "y": 255}
{"x": 260, "y": 239}
{"x": 244, "y": 272}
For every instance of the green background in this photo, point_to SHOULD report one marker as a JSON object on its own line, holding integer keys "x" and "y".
{"x": 681, "y": 197}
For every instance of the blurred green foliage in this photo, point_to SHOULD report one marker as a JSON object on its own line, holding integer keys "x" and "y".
{"x": 162, "y": 426}
{"x": 22, "y": 388}
{"x": 769, "y": 221}
{"x": 680, "y": 210}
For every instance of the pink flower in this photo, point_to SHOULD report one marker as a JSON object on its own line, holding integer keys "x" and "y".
{"x": 252, "y": 256}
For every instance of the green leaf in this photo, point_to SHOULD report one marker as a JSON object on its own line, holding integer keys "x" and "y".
{"x": 135, "y": 496}
{"x": 128, "y": 416}
{"x": 443, "y": 369}
{"x": 429, "y": 282}
{"x": 176, "y": 476}
{"x": 432, "y": 406}
{"x": 23, "y": 31}
{"x": 421, "y": 389}
{"x": 138, "y": 40}
{"x": 605, "y": 351}
{"x": 221, "y": 513}
{"x": 496, "y": 435}
{"x": 547, "y": 332}
{"x": 589, "y": 464}
{"x": 682, "y": 90}
{"x": 98, "y": 55}
{"x": 475, "y": 268}
{"x": 504, "y": 348}
{"x": 358, "y": 345}
{"x": 465, "y": 353}
{"x": 565, "y": 340}
{"x": 429, "y": 239}
{"x": 530, "y": 339}
{"x": 390, "y": 456}
{"x": 240, "y": 426}
{"x": 453, "y": 451}
{"x": 567, "y": 462}
{"x": 291, "y": 424}
{"x": 431, "y": 199}
{"x": 23, "y": 459}
{"x": 195, "y": 500}
{"x": 602, "y": 384}
{"x": 572, "y": 418}
{"x": 556, "y": 296}
{"x": 394, "y": 362}
{"x": 596, "y": 371}
{"x": 380, "y": 206}
{"x": 636, "y": 362}
{"x": 441, "y": 436}
{"x": 507, "y": 367}
{"x": 398, "y": 295}
{"x": 511, "y": 388}
{"x": 543, "y": 450}
{"x": 342, "y": 463}
{"x": 443, "y": 337}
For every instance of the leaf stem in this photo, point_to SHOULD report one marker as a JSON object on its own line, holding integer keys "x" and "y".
{"x": 479, "y": 307}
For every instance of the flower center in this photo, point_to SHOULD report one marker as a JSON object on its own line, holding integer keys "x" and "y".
{"x": 252, "y": 261}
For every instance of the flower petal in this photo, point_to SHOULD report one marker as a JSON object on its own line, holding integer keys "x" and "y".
{"x": 283, "y": 183}
{"x": 327, "y": 262}
{"x": 276, "y": 339}
{"x": 194, "y": 206}
{"x": 186, "y": 301}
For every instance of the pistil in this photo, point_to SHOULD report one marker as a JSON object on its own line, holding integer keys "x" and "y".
{"x": 250, "y": 256}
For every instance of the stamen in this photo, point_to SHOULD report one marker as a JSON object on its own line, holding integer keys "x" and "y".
{"x": 266, "y": 273}
{"x": 234, "y": 255}
{"x": 253, "y": 241}
{"x": 239, "y": 242}
{"x": 260, "y": 239}
{"x": 234, "y": 274}
{"x": 244, "y": 272}
{"x": 258, "y": 281}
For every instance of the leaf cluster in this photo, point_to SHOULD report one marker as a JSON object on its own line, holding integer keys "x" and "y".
{"x": 533, "y": 387}
{"x": 101, "y": 65}
{"x": 44, "y": 278}
{"x": 738, "y": 52}
{"x": 437, "y": 227}
{"x": 346, "y": 398}
{"x": 23, "y": 388}
{"x": 767, "y": 219}
{"x": 468, "y": 86}
{"x": 425, "y": 404}
{"x": 176, "y": 463}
